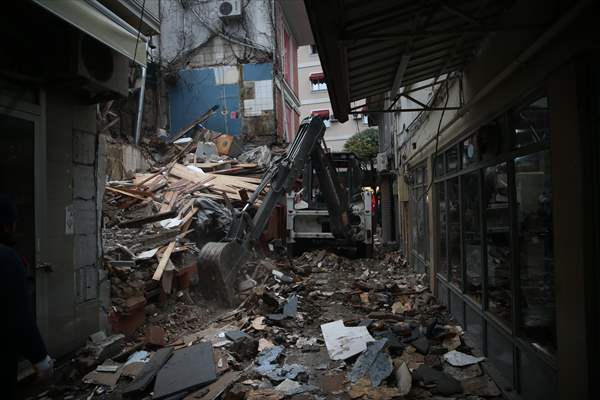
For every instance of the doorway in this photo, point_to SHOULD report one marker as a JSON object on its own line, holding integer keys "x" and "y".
{"x": 17, "y": 181}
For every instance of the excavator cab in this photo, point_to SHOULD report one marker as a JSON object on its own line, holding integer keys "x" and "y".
{"x": 309, "y": 223}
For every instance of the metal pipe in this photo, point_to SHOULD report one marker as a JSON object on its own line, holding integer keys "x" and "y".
{"x": 140, "y": 113}
{"x": 529, "y": 52}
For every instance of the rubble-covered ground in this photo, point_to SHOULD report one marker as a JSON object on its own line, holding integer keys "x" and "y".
{"x": 319, "y": 326}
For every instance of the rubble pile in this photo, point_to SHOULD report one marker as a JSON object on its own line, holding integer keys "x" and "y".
{"x": 320, "y": 326}
{"x": 155, "y": 222}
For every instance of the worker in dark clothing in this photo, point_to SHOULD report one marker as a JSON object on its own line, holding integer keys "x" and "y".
{"x": 20, "y": 336}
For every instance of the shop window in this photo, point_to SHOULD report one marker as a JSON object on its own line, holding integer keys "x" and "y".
{"x": 498, "y": 246}
{"x": 536, "y": 254}
{"x": 443, "y": 226}
{"x": 452, "y": 159}
{"x": 471, "y": 231}
{"x": 530, "y": 123}
{"x": 419, "y": 210}
{"x": 492, "y": 139}
{"x": 454, "y": 232}
{"x": 474, "y": 325}
{"x": 500, "y": 351}
{"x": 439, "y": 165}
{"x": 470, "y": 151}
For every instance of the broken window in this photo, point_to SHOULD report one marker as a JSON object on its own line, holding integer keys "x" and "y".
{"x": 530, "y": 123}
{"x": 497, "y": 222}
{"x": 533, "y": 189}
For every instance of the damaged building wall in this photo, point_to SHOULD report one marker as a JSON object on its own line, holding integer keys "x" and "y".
{"x": 67, "y": 292}
{"x": 232, "y": 62}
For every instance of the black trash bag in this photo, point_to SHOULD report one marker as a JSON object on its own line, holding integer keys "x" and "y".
{"x": 212, "y": 221}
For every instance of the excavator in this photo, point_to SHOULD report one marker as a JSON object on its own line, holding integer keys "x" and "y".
{"x": 219, "y": 261}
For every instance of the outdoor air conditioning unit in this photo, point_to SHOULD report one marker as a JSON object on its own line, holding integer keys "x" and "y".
{"x": 84, "y": 63}
{"x": 382, "y": 162}
{"x": 230, "y": 9}
{"x": 104, "y": 70}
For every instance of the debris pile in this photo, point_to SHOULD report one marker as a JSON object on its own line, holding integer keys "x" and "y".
{"x": 155, "y": 223}
{"x": 313, "y": 327}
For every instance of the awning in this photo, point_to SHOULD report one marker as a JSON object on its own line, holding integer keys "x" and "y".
{"x": 324, "y": 114}
{"x": 317, "y": 77}
{"x": 372, "y": 47}
{"x": 96, "y": 20}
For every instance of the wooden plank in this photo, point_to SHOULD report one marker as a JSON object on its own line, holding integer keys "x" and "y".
{"x": 146, "y": 220}
{"x": 181, "y": 171}
{"x": 125, "y": 193}
{"x": 166, "y": 205}
{"x": 187, "y": 220}
{"x": 163, "y": 261}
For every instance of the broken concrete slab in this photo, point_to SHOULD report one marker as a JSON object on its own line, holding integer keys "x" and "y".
{"x": 270, "y": 355}
{"x": 186, "y": 370}
{"x": 148, "y": 372}
{"x": 459, "y": 359}
{"x": 365, "y": 361}
{"x": 381, "y": 369}
{"x": 343, "y": 342}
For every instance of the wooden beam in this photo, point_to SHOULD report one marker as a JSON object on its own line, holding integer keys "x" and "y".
{"x": 163, "y": 261}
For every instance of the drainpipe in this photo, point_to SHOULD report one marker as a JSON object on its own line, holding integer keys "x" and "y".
{"x": 140, "y": 112}
{"x": 495, "y": 81}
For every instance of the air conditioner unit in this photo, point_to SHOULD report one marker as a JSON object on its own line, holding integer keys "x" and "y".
{"x": 90, "y": 66}
{"x": 105, "y": 71}
{"x": 382, "y": 162}
{"x": 230, "y": 9}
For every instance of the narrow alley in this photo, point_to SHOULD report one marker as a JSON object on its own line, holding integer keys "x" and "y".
{"x": 300, "y": 199}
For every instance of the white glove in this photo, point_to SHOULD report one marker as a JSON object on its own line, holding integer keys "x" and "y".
{"x": 45, "y": 368}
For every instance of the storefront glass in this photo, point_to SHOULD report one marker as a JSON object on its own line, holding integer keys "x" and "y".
{"x": 536, "y": 254}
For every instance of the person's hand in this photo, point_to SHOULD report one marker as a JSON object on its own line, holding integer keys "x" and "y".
{"x": 45, "y": 368}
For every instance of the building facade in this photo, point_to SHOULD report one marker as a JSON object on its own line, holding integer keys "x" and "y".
{"x": 314, "y": 100}
{"x": 52, "y": 157}
{"x": 491, "y": 140}
{"x": 242, "y": 59}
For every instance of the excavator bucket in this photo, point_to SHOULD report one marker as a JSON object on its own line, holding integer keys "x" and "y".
{"x": 218, "y": 263}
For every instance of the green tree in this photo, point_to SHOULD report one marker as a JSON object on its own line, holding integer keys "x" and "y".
{"x": 365, "y": 144}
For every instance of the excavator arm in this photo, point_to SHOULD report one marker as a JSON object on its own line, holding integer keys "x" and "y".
{"x": 218, "y": 262}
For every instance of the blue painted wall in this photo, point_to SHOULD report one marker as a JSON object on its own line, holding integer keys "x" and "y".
{"x": 258, "y": 72}
{"x": 195, "y": 92}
